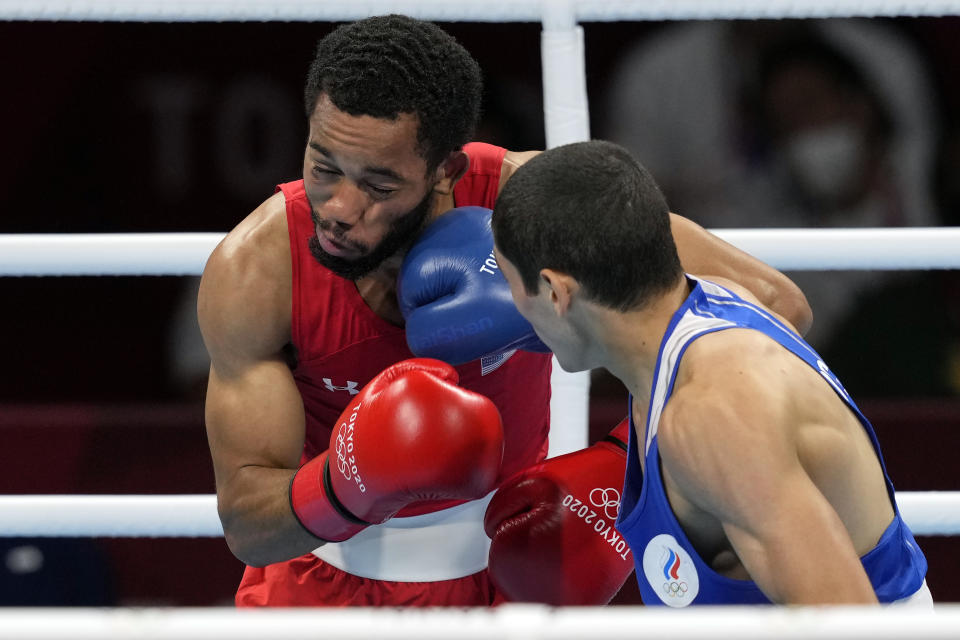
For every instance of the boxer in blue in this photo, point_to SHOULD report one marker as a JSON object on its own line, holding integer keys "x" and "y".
{"x": 752, "y": 477}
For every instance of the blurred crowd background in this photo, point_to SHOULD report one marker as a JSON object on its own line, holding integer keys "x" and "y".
{"x": 188, "y": 127}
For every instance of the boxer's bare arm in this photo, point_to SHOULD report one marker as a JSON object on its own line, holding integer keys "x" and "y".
{"x": 254, "y": 414}
{"x": 728, "y": 445}
{"x": 702, "y": 252}
{"x": 512, "y": 161}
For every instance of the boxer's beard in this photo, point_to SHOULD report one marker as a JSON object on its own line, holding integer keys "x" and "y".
{"x": 400, "y": 236}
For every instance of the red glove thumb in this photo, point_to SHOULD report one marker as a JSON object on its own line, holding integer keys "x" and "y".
{"x": 521, "y": 506}
{"x": 552, "y": 531}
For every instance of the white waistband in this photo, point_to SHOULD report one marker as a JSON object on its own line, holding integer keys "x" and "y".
{"x": 442, "y": 545}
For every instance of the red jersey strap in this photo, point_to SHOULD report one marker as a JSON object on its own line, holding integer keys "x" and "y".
{"x": 479, "y": 185}
{"x": 300, "y": 229}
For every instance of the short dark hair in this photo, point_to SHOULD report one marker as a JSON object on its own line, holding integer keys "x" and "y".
{"x": 388, "y": 65}
{"x": 590, "y": 210}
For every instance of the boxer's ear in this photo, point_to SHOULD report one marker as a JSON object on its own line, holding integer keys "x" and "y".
{"x": 561, "y": 288}
{"x": 450, "y": 171}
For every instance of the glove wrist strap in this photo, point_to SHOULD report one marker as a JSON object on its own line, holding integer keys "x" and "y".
{"x": 345, "y": 513}
{"x": 620, "y": 435}
{"x": 317, "y": 508}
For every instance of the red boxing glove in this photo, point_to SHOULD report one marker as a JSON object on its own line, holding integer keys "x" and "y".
{"x": 552, "y": 528}
{"x": 410, "y": 435}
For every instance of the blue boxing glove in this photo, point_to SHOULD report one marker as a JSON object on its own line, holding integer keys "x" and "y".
{"x": 455, "y": 301}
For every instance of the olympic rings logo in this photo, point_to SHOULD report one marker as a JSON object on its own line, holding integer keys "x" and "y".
{"x": 342, "y": 451}
{"x": 670, "y": 572}
{"x": 675, "y": 589}
{"x": 346, "y": 460}
{"x": 606, "y": 499}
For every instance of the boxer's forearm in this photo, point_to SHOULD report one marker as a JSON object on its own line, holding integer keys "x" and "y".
{"x": 778, "y": 293}
{"x": 258, "y": 523}
{"x": 702, "y": 253}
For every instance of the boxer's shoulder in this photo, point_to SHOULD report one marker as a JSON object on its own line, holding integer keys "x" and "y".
{"x": 730, "y": 402}
{"x": 259, "y": 237}
{"x": 257, "y": 249}
{"x": 246, "y": 286}
{"x": 512, "y": 161}
{"x": 745, "y": 350}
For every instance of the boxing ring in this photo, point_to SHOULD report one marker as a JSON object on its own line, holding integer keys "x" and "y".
{"x": 565, "y": 106}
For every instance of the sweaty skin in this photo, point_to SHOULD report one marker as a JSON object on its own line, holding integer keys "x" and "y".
{"x": 254, "y": 413}
{"x": 770, "y": 475}
{"x": 360, "y": 174}
{"x": 768, "y": 470}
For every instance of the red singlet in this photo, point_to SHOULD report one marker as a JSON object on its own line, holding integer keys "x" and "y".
{"x": 341, "y": 345}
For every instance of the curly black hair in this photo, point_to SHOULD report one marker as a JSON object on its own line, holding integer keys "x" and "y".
{"x": 387, "y": 65}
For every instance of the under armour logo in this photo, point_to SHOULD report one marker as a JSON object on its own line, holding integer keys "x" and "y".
{"x": 351, "y": 386}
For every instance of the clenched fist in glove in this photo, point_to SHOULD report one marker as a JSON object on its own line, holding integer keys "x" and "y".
{"x": 552, "y": 528}
{"x": 410, "y": 435}
{"x": 456, "y": 302}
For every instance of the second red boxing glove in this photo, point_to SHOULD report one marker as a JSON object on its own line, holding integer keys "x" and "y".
{"x": 552, "y": 528}
{"x": 410, "y": 435}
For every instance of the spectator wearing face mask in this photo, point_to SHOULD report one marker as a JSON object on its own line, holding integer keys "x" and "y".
{"x": 824, "y": 123}
{"x": 829, "y": 145}
{"x": 828, "y": 137}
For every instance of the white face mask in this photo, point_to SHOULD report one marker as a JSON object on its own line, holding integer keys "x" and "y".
{"x": 826, "y": 161}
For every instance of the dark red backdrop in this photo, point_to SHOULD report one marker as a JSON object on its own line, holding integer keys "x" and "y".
{"x": 187, "y": 127}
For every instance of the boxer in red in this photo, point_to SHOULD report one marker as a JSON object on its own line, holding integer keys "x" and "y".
{"x": 299, "y": 311}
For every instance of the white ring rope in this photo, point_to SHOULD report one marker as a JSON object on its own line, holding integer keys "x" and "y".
{"x": 565, "y": 107}
{"x": 74, "y": 254}
{"x": 564, "y": 86}
{"x": 134, "y": 516}
{"x": 511, "y": 621}
{"x": 117, "y": 254}
{"x": 444, "y": 10}
{"x": 928, "y": 513}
